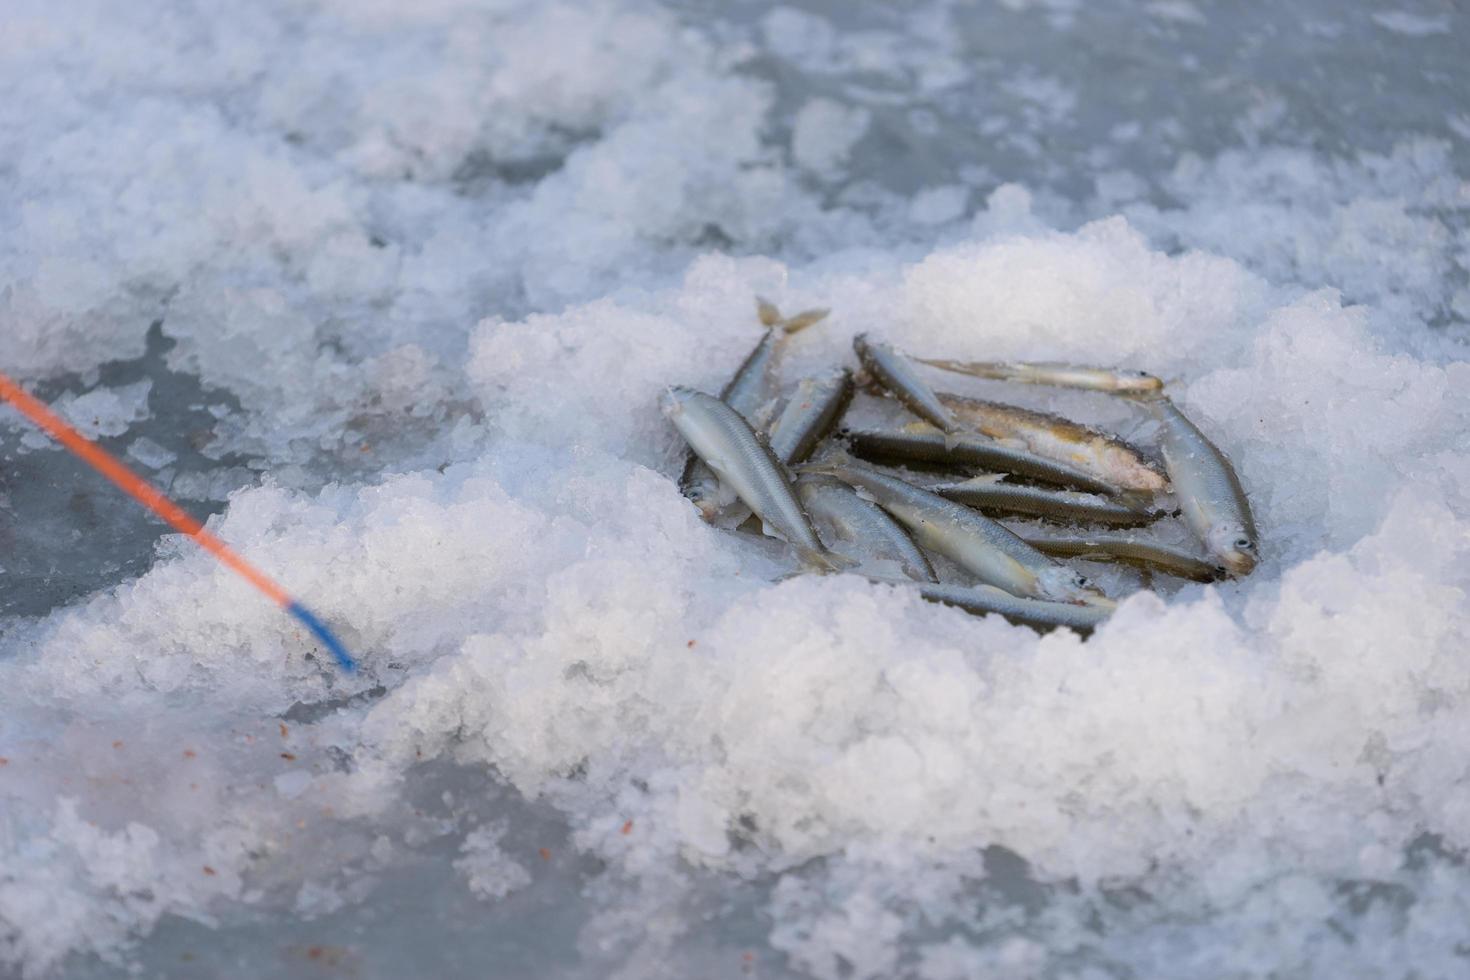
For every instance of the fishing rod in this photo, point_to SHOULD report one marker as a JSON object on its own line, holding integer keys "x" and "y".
{"x": 146, "y": 494}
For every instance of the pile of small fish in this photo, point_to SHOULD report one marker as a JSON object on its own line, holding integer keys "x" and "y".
{"x": 840, "y": 512}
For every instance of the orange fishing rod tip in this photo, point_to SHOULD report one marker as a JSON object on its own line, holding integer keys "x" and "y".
{"x": 181, "y": 520}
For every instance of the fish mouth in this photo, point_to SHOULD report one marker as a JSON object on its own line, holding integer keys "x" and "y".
{"x": 671, "y": 402}
{"x": 1239, "y": 563}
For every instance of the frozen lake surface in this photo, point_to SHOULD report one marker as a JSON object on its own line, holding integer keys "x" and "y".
{"x": 390, "y": 289}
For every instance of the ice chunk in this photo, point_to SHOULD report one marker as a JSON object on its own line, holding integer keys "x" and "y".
{"x": 489, "y": 872}
{"x": 106, "y": 411}
{"x": 150, "y": 453}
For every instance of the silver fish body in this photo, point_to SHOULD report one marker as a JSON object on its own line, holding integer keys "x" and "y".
{"x": 1112, "y": 380}
{"x": 986, "y": 493}
{"x": 814, "y": 407}
{"x": 982, "y": 600}
{"x": 1209, "y": 492}
{"x": 1083, "y": 447}
{"x": 725, "y": 441}
{"x": 751, "y": 391}
{"x": 924, "y": 443}
{"x": 860, "y": 529}
{"x": 900, "y": 375}
{"x": 1149, "y": 555}
{"x": 987, "y": 549}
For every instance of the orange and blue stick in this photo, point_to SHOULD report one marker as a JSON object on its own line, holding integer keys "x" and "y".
{"x": 140, "y": 490}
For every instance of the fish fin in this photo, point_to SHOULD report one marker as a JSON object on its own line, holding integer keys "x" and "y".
{"x": 819, "y": 563}
{"x": 1144, "y": 398}
{"x": 976, "y": 369}
{"x": 769, "y": 315}
{"x": 730, "y": 516}
{"x": 801, "y": 321}
{"x": 951, "y": 439}
{"x": 825, "y": 562}
{"x": 833, "y": 456}
{"x": 1143, "y": 501}
{"x": 763, "y": 418}
{"x": 979, "y": 480}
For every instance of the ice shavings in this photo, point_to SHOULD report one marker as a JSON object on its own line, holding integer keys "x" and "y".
{"x": 634, "y": 644}
{"x": 1389, "y": 230}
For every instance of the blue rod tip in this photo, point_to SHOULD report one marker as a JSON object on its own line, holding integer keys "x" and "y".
{"x": 344, "y": 659}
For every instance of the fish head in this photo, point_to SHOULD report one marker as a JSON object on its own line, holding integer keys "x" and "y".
{"x": 1063, "y": 584}
{"x": 1235, "y": 546}
{"x": 1140, "y": 381}
{"x": 674, "y": 399}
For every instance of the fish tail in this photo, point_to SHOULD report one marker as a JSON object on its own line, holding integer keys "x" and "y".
{"x": 771, "y": 318}
{"x": 769, "y": 315}
{"x": 801, "y": 321}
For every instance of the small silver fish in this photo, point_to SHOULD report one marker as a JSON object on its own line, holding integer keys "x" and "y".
{"x": 1150, "y": 555}
{"x": 859, "y": 528}
{"x": 897, "y": 373}
{"x": 725, "y": 441}
{"x": 921, "y": 442}
{"x": 987, "y": 493}
{"x": 1100, "y": 453}
{"x": 1039, "y": 614}
{"x": 984, "y": 547}
{"x": 1209, "y": 492}
{"x": 751, "y": 392}
{"x": 812, "y": 410}
{"x": 1113, "y": 380}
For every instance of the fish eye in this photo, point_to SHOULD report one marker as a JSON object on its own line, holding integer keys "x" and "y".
{"x": 1243, "y": 544}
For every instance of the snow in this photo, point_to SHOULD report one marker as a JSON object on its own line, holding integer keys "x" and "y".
{"x": 399, "y": 287}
